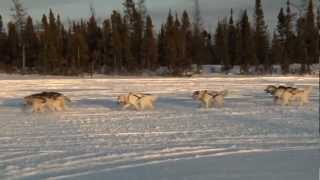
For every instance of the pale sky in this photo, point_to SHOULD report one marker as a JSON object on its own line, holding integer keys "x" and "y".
{"x": 212, "y": 10}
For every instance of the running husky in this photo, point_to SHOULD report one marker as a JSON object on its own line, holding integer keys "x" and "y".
{"x": 51, "y": 100}
{"x": 210, "y": 98}
{"x": 273, "y": 89}
{"x": 285, "y": 95}
{"x": 297, "y": 95}
{"x": 138, "y": 101}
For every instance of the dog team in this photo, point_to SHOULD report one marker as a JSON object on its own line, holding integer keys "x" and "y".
{"x": 54, "y": 101}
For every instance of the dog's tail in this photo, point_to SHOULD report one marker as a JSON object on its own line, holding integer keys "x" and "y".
{"x": 308, "y": 89}
{"x": 67, "y": 99}
{"x": 154, "y": 98}
{"x": 224, "y": 93}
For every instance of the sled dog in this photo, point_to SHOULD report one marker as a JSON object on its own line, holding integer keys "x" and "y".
{"x": 138, "y": 101}
{"x": 51, "y": 100}
{"x": 297, "y": 95}
{"x": 273, "y": 89}
{"x": 210, "y": 98}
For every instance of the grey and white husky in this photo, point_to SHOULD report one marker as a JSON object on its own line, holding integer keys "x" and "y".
{"x": 54, "y": 101}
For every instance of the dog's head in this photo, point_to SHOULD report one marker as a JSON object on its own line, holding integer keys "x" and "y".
{"x": 122, "y": 100}
{"x": 34, "y": 99}
{"x": 270, "y": 89}
{"x": 198, "y": 94}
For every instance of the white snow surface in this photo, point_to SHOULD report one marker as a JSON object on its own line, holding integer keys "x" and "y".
{"x": 94, "y": 136}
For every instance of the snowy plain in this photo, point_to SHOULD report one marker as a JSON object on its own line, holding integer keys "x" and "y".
{"x": 249, "y": 138}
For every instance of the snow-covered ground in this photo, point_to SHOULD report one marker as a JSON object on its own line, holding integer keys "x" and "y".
{"x": 249, "y": 138}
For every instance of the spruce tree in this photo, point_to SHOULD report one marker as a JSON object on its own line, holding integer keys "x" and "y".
{"x": 281, "y": 25}
{"x": 185, "y": 22}
{"x": 137, "y": 40}
{"x": 247, "y": 55}
{"x": 19, "y": 15}
{"x": 80, "y": 50}
{"x": 221, "y": 45}
{"x": 300, "y": 45}
{"x": 93, "y": 40}
{"x": 318, "y": 25}
{"x": 197, "y": 43}
{"x": 13, "y": 48}
{"x": 63, "y": 42}
{"x": 44, "y": 36}
{"x": 149, "y": 48}
{"x": 116, "y": 21}
{"x": 1, "y": 25}
{"x": 61, "y": 46}
{"x": 261, "y": 37}
{"x": 312, "y": 36}
{"x": 2, "y": 45}
{"x": 284, "y": 35}
{"x": 170, "y": 46}
{"x": 182, "y": 30}
{"x": 107, "y": 48}
{"x": 289, "y": 39}
{"x": 142, "y": 8}
{"x": 186, "y": 39}
{"x": 162, "y": 47}
{"x": 232, "y": 38}
{"x": 276, "y": 50}
{"x": 53, "y": 56}
{"x": 31, "y": 44}
{"x": 318, "y": 18}
{"x": 129, "y": 10}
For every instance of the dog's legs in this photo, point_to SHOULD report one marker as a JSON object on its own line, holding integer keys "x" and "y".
{"x": 63, "y": 107}
{"x": 126, "y": 106}
{"x": 59, "y": 108}
{"x": 306, "y": 99}
{"x": 202, "y": 104}
{"x": 137, "y": 107}
{"x": 286, "y": 98}
{"x": 301, "y": 103}
{"x": 151, "y": 106}
{"x": 35, "y": 109}
{"x": 219, "y": 101}
{"x": 39, "y": 109}
{"x": 206, "y": 104}
{"x": 221, "y": 104}
{"x": 146, "y": 106}
{"x": 209, "y": 104}
{"x": 141, "y": 106}
{"x": 51, "y": 107}
{"x": 283, "y": 101}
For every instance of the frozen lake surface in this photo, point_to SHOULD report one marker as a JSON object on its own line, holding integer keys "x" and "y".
{"x": 249, "y": 138}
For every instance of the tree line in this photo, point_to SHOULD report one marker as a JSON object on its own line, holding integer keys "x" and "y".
{"x": 126, "y": 42}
